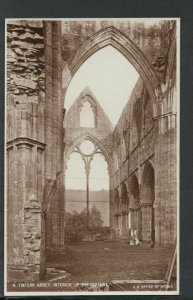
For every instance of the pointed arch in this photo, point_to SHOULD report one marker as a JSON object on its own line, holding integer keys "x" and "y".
{"x": 116, "y": 202}
{"x": 123, "y": 150}
{"x": 148, "y": 184}
{"x": 134, "y": 190}
{"x": 95, "y": 141}
{"x": 116, "y": 209}
{"x": 124, "y": 205}
{"x": 124, "y": 198}
{"x": 113, "y": 37}
{"x": 87, "y": 115}
{"x": 147, "y": 200}
{"x": 135, "y": 210}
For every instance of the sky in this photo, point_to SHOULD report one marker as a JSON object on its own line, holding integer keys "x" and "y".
{"x": 110, "y": 77}
{"x": 75, "y": 177}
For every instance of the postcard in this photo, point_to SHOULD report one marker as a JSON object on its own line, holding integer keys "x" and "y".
{"x": 92, "y": 156}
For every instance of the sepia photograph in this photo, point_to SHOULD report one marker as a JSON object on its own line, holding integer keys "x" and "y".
{"x": 92, "y": 156}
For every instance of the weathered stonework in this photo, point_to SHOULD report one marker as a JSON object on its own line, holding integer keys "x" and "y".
{"x": 25, "y": 144}
{"x": 42, "y": 58}
{"x": 100, "y": 134}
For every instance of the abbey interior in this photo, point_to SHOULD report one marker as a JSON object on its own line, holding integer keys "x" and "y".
{"x": 140, "y": 151}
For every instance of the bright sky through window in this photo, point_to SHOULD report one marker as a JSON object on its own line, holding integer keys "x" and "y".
{"x": 86, "y": 115}
{"x": 75, "y": 176}
{"x": 111, "y": 78}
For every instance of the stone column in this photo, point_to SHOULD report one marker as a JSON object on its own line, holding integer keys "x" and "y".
{"x": 134, "y": 219}
{"x": 25, "y": 141}
{"x": 54, "y": 173}
{"x": 146, "y": 222}
{"x": 26, "y": 222}
{"x": 165, "y": 175}
{"x": 139, "y": 229}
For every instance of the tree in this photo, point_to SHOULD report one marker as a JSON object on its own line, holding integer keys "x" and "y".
{"x": 76, "y": 223}
{"x": 95, "y": 218}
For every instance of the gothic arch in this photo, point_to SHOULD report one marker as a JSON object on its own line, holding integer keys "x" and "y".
{"x": 134, "y": 191}
{"x": 124, "y": 205}
{"x": 135, "y": 211}
{"x": 123, "y": 150}
{"x": 116, "y": 202}
{"x": 116, "y": 209}
{"x": 135, "y": 123}
{"x": 124, "y": 197}
{"x": 148, "y": 183}
{"x": 87, "y": 98}
{"x": 113, "y": 37}
{"x": 91, "y": 138}
{"x": 115, "y": 162}
{"x": 147, "y": 200}
{"x": 87, "y": 115}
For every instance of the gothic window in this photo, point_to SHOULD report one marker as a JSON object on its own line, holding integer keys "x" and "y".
{"x": 136, "y": 124}
{"x": 123, "y": 151}
{"x": 87, "y": 115}
{"x": 148, "y": 114}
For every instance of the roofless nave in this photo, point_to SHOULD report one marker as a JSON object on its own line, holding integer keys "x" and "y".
{"x": 140, "y": 151}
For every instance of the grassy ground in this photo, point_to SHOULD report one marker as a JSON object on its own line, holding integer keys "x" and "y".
{"x": 102, "y": 262}
{"x": 106, "y": 261}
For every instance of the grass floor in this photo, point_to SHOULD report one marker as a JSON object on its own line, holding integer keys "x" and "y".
{"x": 106, "y": 261}
{"x": 101, "y": 262}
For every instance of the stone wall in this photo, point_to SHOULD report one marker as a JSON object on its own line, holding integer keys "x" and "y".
{"x": 25, "y": 144}
{"x": 100, "y": 133}
{"x": 152, "y": 37}
{"x": 54, "y": 132}
{"x": 102, "y": 129}
{"x": 149, "y": 130}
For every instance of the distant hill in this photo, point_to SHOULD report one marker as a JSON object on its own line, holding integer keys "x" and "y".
{"x": 76, "y": 200}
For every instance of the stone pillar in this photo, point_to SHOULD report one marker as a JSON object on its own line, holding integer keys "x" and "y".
{"x": 54, "y": 173}
{"x": 165, "y": 173}
{"x": 134, "y": 219}
{"x": 25, "y": 247}
{"x": 25, "y": 147}
{"x": 139, "y": 229}
{"x": 111, "y": 202}
{"x": 117, "y": 224}
{"x": 120, "y": 224}
{"x": 146, "y": 222}
{"x": 129, "y": 220}
{"x": 125, "y": 230}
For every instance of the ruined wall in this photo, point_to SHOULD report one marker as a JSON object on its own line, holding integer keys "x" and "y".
{"x": 101, "y": 131}
{"x": 135, "y": 128}
{"x": 34, "y": 144}
{"x": 54, "y": 114}
{"x": 166, "y": 127}
{"x": 152, "y": 38}
{"x": 149, "y": 131}
{"x": 25, "y": 144}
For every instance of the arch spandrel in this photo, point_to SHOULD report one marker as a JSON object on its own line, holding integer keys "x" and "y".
{"x": 113, "y": 37}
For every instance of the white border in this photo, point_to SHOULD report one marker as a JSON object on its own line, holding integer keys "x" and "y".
{"x": 147, "y": 293}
